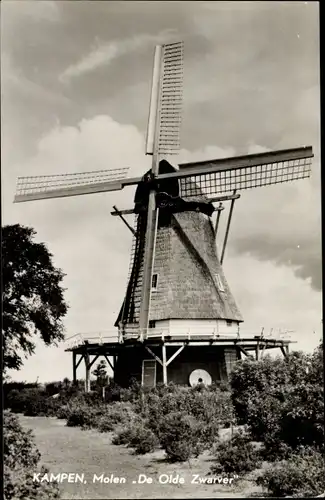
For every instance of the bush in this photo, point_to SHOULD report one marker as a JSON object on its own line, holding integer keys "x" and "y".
{"x": 286, "y": 418}
{"x": 21, "y": 459}
{"x": 15, "y": 388}
{"x": 251, "y": 377}
{"x": 63, "y": 412}
{"x": 180, "y": 435}
{"x": 102, "y": 417}
{"x": 209, "y": 406}
{"x": 83, "y": 416}
{"x": 32, "y": 402}
{"x": 302, "y": 475}
{"x": 237, "y": 455}
{"x": 282, "y": 402}
{"x": 137, "y": 436}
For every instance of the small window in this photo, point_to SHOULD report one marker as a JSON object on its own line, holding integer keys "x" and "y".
{"x": 154, "y": 283}
{"x": 219, "y": 283}
{"x": 152, "y": 323}
{"x": 229, "y": 322}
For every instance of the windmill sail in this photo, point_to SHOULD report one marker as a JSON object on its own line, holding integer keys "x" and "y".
{"x": 165, "y": 112}
{"x": 214, "y": 177}
{"x": 60, "y": 185}
{"x": 171, "y": 96}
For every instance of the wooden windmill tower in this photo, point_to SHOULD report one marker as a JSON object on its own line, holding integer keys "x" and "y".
{"x": 179, "y": 321}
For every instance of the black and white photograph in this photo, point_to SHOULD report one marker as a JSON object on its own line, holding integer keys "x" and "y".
{"x": 161, "y": 266}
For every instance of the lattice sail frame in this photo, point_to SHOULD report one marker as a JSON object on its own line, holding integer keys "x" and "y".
{"x": 170, "y": 98}
{"x": 71, "y": 183}
{"x": 263, "y": 173}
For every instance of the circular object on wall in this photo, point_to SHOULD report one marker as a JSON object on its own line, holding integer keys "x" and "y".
{"x": 200, "y": 377}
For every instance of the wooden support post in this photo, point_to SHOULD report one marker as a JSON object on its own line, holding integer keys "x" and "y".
{"x": 87, "y": 379}
{"x": 287, "y": 349}
{"x": 227, "y": 229}
{"x": 257, "y": 351}
{"x": 220, "y": 207}
{"x": 164, "y": 364}
{"x": 74, "y": 367}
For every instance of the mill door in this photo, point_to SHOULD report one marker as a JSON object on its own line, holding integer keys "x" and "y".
{"x": 149, "y": 373}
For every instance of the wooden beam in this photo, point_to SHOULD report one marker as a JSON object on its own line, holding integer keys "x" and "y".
{"x": 93, "y": 361}
{"x": 117, "y": 212}
{"x": 215, "y": 199}
{"x": 153, "y": 354}
{"x": 87, "y": 379}
{"x": 164, "y": 364}
{"x": 227, "y": 229}
{"x": 263, "y": 349}
{"x": 175, "y": 354}
{"x": 74, "y": 368}
{"x": 110, "y": 364}
{"x": 257, "y": 351}
{"x": 80, "y": 359}
{"x": 283, "y": 351}
{"x": 219, "y": 209}
{"x": 127, "y": 211}
{"x": 244, "y": 351}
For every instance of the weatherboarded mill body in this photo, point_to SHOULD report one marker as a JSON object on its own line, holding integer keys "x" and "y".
{"x": 191, "y": 303}
{"x": 179, "y": 321}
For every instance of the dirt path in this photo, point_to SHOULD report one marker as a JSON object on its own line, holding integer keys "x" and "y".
{"x": 71, "y": 450}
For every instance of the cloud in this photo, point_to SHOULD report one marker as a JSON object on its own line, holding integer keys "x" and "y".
{"x": 282, "y": 225}
{"x": 15, "y": 83}
{"x": 26, "y": 11}
{"x": 104, "y": 53}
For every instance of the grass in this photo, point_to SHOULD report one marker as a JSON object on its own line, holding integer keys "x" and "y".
{"x": 69, "y": 449}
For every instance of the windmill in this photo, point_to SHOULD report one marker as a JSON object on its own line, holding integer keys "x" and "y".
{"x": 178, "y": 321}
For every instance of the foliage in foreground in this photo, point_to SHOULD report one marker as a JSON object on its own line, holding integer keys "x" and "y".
{"x": 238, "y": 455}
{"x": 282, "y": 402}
{"x": 21, "y": 459}
{"x": 302, "y": 475}
{"x": 138, "y": 436}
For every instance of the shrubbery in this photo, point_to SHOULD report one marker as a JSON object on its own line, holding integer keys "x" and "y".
{"x": 21, "y": 459}
{"x": 236, "y": 456}
{"x": 181, "y": 436}
{"x": 282, "y": 402}
{"x": 302, "y": 475}
{"x": 137, "y": 436}
{"x": 102, "y": 416}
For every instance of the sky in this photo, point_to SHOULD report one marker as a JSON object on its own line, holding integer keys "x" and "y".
{"x": 75, "y": 89}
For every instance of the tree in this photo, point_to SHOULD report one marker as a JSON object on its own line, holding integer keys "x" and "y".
{"x": 32, "y": 296}
{"x": 101, "y": 374}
